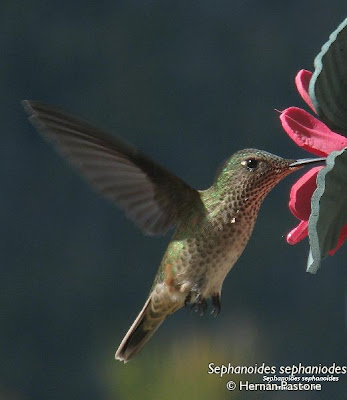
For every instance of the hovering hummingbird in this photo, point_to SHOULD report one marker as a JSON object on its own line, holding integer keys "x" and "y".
{"x": 213, "y": 226}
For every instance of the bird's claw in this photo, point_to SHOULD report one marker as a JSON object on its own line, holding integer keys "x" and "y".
{"x": 187, "y": 300}
{"x": 216, "y": 304}
{"x": 200, "y": 306}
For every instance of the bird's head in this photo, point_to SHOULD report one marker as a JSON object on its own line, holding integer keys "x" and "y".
{"x": 257, "y": 171}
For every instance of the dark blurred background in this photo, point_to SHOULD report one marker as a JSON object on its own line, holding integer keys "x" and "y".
{"x": 189, "y": 83}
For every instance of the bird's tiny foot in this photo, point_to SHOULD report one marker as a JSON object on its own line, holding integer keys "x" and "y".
{"x": 216, "y": 304}
{"x": 187, "y": 300}
{"x": 200, "y": 306}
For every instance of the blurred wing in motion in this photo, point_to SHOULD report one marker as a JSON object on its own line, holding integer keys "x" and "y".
{"x": 150, "y": 195}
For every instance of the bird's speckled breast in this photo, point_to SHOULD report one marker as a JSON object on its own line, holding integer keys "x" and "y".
{"x": 204, "y": 249}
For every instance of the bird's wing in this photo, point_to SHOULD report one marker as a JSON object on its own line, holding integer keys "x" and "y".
{"x": 151, "y": 196}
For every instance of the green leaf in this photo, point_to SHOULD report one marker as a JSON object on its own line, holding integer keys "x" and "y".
{"x": 328, "y": 209}
{"x": 328, "y": 85}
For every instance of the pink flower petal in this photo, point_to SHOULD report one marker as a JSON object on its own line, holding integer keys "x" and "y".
{"x": 301, "y": 193}
{"x": 342, "y": 238}
{"x": 313, "y": 135}
{"x": 302, "y": 81}
{"x": 298, "y": 233}
{"x": 309, "y": 133}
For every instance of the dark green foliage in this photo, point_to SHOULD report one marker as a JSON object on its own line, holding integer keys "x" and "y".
{"x": 329, "y": 209}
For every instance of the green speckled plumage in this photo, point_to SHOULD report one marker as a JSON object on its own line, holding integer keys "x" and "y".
{"x": 212, "y": 226}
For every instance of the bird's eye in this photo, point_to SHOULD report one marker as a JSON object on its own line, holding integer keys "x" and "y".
{"x": 251, "y": 164}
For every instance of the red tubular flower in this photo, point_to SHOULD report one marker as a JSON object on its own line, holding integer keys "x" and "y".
{"x": 314, "y": 136}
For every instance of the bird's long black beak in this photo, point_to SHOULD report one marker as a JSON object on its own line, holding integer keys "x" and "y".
{"x": 305, "y": 161}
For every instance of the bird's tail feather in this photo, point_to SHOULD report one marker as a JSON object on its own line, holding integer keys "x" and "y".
{"x": 139, "y": 333}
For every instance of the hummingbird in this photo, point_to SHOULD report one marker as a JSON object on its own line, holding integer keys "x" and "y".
{"x": 212, "y": 226}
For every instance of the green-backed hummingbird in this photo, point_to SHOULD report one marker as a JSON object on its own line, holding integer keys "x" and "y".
{"x": 212, "y": 226}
